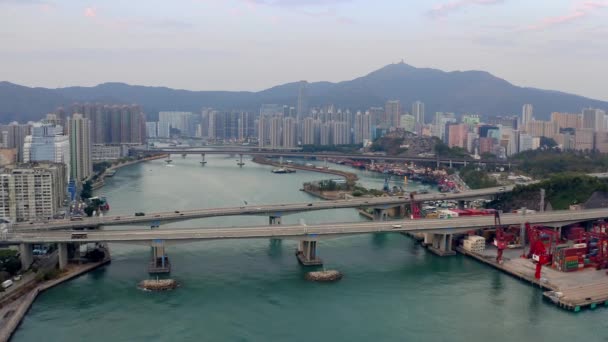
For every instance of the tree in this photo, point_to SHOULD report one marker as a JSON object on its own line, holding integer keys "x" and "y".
{"x": 87, "y": 190}
{"x": 547, "y": 143}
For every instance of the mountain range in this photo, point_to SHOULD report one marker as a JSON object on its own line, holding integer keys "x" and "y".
{"x": 475, "y": 92}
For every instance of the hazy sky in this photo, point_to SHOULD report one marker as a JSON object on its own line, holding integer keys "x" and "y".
{"x": 255, "y": 44}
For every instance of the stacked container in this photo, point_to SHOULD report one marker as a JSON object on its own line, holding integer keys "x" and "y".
{"x": 475, "y": 244}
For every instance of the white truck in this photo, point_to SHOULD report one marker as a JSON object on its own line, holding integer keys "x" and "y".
{"x": 7, "y": 283}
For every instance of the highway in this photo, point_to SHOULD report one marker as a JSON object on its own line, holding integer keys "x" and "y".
{"x": 296, "y": 154}
{"x": 264, "y": 210}
{"x": 453, "y": 225}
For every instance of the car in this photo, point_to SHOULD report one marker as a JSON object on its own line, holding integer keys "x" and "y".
{"x": 117, "y": 218}
{"x": 397, "y": 226}
{"x": 177, "y": 211}
{"x": 156, "y": 215}
{"x": 309, "y": 205}
{"x": 181, "y": 214}
{"x": 501, "y": 189}
{"x": 140, "y": 214}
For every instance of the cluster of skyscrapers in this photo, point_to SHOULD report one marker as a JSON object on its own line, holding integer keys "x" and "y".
{"x": 40, "y": 161}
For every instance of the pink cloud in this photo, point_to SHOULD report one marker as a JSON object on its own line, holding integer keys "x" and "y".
{"x": 444, "y": 9}
{"x": 90, "y": 12}
{"x": 578, "y": 12}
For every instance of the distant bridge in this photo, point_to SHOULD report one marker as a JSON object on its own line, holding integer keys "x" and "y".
{"x": 322, "y": 155}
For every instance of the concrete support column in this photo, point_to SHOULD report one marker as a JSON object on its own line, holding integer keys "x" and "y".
{"x": 26, "y": 255}
{"x": 159, "y": 262}
{"x": 428, "y": 239}
{"x": 307, "y": 253}
{"x": 442, "y": 244}
{"x": 274, "y": 220}
{"x": 461, "y": 204}
{"x": 62, "y": 249}
{"x": 380, "y": 214}
{"x": 203, "y": 162}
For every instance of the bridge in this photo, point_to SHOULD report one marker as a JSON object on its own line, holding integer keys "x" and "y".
{"x": 273, "y": 211}
{"x": 438, "y": 233}
{"x": 322, "y": 155}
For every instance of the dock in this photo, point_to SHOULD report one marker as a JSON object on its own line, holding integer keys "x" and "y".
{"x": 573, "y": 291}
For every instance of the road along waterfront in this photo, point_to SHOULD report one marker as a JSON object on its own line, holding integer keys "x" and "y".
{"x": 254, "y": 290}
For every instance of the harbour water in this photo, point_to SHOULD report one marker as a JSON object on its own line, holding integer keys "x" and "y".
{"x": 254, "y": 290}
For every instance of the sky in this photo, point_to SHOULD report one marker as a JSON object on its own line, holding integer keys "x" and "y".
{"x": 256, "y": 44}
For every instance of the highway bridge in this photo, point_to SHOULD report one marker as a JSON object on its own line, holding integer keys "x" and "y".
{"x": 437, "y": 232}
{"x": 273, "y": 211}
{"x": 445, "y": 226}
{"x": 322, "y": 155}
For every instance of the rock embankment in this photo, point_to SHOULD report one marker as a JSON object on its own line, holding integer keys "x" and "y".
{"x": 158, "y": 284}
{"x": 324, "y": 276}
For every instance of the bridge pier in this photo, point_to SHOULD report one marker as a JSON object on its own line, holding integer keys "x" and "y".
{"x": 26, "y": 255}
{"x": 380, "y": 214}
{"x": 203, "y": 162}
{"x": 159, "y": 262}
{"x": 462, "y": 204}
{"x": 307, "y": 253}
{"x": 240, "y": 163}
{"x": 274, "y": 220}
{"x": 62, "y": 249}
{"x": 428, "y": 239}
{"x": 442, "y": 245}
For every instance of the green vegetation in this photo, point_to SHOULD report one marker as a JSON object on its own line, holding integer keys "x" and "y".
{"x": 561, "y": 191}
{"x": 359, "y": 191}
{"x": 9, "y": 261}
{"x": 443, "y": 150}
{"x": 541, "y": 164}
{"x": 49, "y": 275}
{"x": 332, "y": 148}
{"x": 390, "y": 145}
{"x": 87, "y": 190}
{"x": 477, "y": 179}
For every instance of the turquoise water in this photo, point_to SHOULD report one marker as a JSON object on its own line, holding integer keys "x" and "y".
{"x": 253, "y": 290}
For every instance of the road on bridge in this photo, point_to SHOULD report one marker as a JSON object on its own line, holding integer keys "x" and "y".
{"x": 453, "y": 225}
{"x": 263, "y": 210}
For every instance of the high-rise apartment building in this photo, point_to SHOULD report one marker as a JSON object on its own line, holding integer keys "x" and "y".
{"x": 111, "y": 124}
{"x": 392, "y": 113}
{"x": 175, "y": 121}
{"x": 311, "y": 130}
{"x": 276, "y": 131}
{"x": 32, "y": 191}
{"x": 593, "y": 119}
{"x": 151, "y": 129}
{"x": 567, "y": 120}
{"x": 527, "y": 114}
{"x": 302, "y": 107}
{"x": 340, "y": 133}
{"x": 79, "y": 132}
{"x": 363, "y": 127}
{"x": 14, "y": 136}
{"x": 408, "y": 122}
{"x": 457, "y": 135}
{"x": 289, "y": 132}
{"x": 418, "y": 112}
{"x": 47, "y": 143}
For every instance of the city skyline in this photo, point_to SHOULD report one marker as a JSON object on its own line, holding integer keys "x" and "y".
{"x": 535, "y": 38}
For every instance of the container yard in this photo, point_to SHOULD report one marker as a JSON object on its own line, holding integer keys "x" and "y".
{"x": 569, "y": 263}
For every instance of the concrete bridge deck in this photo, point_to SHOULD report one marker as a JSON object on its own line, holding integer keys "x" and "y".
{"x": 263, "y": 210}
{"x": 297, "y": 154}
{"x": 445, "y": 226}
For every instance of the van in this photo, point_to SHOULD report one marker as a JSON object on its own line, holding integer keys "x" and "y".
{"x": 7, "y": 283}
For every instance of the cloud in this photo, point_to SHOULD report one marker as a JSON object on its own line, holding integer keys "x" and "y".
{"x": 299, "y": 3}
{"x": 444, "y": 9}
{"x": 578, "y": 12}
{"x": 90, "y": 12}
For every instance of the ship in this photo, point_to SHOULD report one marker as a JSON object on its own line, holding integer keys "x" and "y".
{"x": 283, "y": 170}
{"x": 110, "y": 173}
